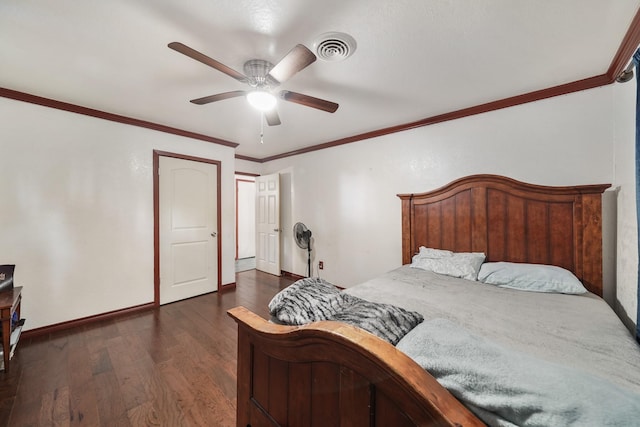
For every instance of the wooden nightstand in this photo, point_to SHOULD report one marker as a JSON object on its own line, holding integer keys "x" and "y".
{"x": 9, "y": 304}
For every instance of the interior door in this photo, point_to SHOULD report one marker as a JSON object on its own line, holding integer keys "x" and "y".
{"x": 188, "y": 228}
{"x": 268, "y": 223}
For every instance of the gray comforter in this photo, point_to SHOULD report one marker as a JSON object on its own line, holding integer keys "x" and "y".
{"x": 521, "y": 358}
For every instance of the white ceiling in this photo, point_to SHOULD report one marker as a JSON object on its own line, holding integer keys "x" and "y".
{"x": 415, "y": 58}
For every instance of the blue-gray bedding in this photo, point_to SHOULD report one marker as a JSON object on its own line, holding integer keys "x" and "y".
{"x": 314, "y": 299}
{"x": 510, "y": 388}
{"x": 561, "y": 335}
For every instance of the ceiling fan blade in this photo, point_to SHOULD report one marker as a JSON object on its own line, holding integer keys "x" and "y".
{"x": 272, "y": 117}
{"x": 194, "y": 54}
{"x": 309, "y": 101}
{"x": 298, "y": 58}
{"x": 219, "y": 97}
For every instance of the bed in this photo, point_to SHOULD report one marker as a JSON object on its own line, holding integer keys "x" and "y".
{"x": 332, "y": 373}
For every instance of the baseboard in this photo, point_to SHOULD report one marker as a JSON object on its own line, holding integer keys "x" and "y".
{"x": 228, "y": 287}
{"x": 31, "y": 333}
{"x": 291, "y": 275}
{"x": 298, "y": 277}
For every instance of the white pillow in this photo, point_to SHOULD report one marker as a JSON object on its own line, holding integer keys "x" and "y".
{"x": 430, "y": 253}
{"x": 459, "y": 264}
{"x": 433, "y": 253}
{"x": 530, "y": 277}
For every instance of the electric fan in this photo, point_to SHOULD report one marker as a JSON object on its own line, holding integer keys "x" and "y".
{"x": 303, "y": 239}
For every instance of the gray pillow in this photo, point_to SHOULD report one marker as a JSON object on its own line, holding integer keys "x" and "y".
{"x": 530, "y": 277}
{"x": 459, "y": 264}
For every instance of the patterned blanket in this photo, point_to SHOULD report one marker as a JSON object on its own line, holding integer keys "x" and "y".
{"x": 314, "y": 299}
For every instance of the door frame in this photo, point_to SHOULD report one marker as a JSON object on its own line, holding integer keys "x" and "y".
{"x": 156, "y": 216}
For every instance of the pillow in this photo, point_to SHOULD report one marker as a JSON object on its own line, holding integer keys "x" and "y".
{"x": 433, "y": 253}
{"x": 530, "y": 277}
{"x": 387, "y": 321}
{"x": 459, "y": 264}
{"x": 307, "y": 300}
{"x": 313, "y": 299}
{"x": 425, "y": 252}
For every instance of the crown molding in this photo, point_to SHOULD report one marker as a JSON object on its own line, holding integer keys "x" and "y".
{"x": 78, "y": 109}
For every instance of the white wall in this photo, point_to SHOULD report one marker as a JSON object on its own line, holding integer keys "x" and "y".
{"x": 625, "y": 298}
{"x": 347, "y": 195}
{"x": 247, "y": 167}
{"x": 76, "y": 210}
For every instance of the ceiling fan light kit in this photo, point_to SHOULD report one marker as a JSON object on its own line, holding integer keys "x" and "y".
{"x": 261, "y": 100}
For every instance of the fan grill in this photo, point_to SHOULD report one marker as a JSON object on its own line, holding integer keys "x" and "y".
{"x": 334, "y": 46}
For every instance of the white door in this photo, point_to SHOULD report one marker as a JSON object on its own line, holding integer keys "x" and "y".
{"x": 188, "y": 228}
{"x": 268, "y": 223}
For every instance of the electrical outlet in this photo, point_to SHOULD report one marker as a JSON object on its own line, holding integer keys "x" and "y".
{"x": 321, "y": 265}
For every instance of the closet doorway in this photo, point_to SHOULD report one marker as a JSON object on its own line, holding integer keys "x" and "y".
{"x": 245, "y": 222}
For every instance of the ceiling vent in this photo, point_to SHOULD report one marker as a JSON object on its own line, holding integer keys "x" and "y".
{"x": 334, "y": 46}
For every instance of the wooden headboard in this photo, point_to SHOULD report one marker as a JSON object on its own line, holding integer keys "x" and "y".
{"x": 510, "y": 220}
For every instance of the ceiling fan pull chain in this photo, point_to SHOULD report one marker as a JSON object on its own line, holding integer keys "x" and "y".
{"x": 262, "y": 127}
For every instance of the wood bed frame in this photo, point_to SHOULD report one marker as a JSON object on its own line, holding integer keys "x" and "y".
{"x": 510, "y": 220}
{"x": 330, "y": 374}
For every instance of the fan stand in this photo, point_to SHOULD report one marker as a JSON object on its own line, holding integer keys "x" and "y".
{"x": 302, "y": 237}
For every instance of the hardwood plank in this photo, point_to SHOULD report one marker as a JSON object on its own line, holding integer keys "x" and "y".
{"x": 172, "y": 365}
{"x": 162, "y": 408}
{"x": 186, "y": 402}
{"x": 60, "y": 408}
{"x": 130, "y": 381}
{"x": 144, "y": 415}
{"x": 83, "y": 405}
{"x": 111, "y": 407}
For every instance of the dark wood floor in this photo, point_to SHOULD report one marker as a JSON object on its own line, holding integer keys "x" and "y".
{"x": 171, "y": 366}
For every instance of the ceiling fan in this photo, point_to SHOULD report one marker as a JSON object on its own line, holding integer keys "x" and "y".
{"x": 263, "y": 77}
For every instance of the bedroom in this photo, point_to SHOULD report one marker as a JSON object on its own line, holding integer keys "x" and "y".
{"x": 74, "y": 180}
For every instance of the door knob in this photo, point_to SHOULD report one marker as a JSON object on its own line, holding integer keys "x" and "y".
{"x": 214, "y": 234}
{"x": 276, "y": 229}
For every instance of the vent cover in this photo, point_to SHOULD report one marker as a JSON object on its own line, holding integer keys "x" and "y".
{"x": 334, "y": 46}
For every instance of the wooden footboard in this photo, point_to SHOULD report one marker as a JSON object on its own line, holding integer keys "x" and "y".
{"x": 333, "y": 374}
